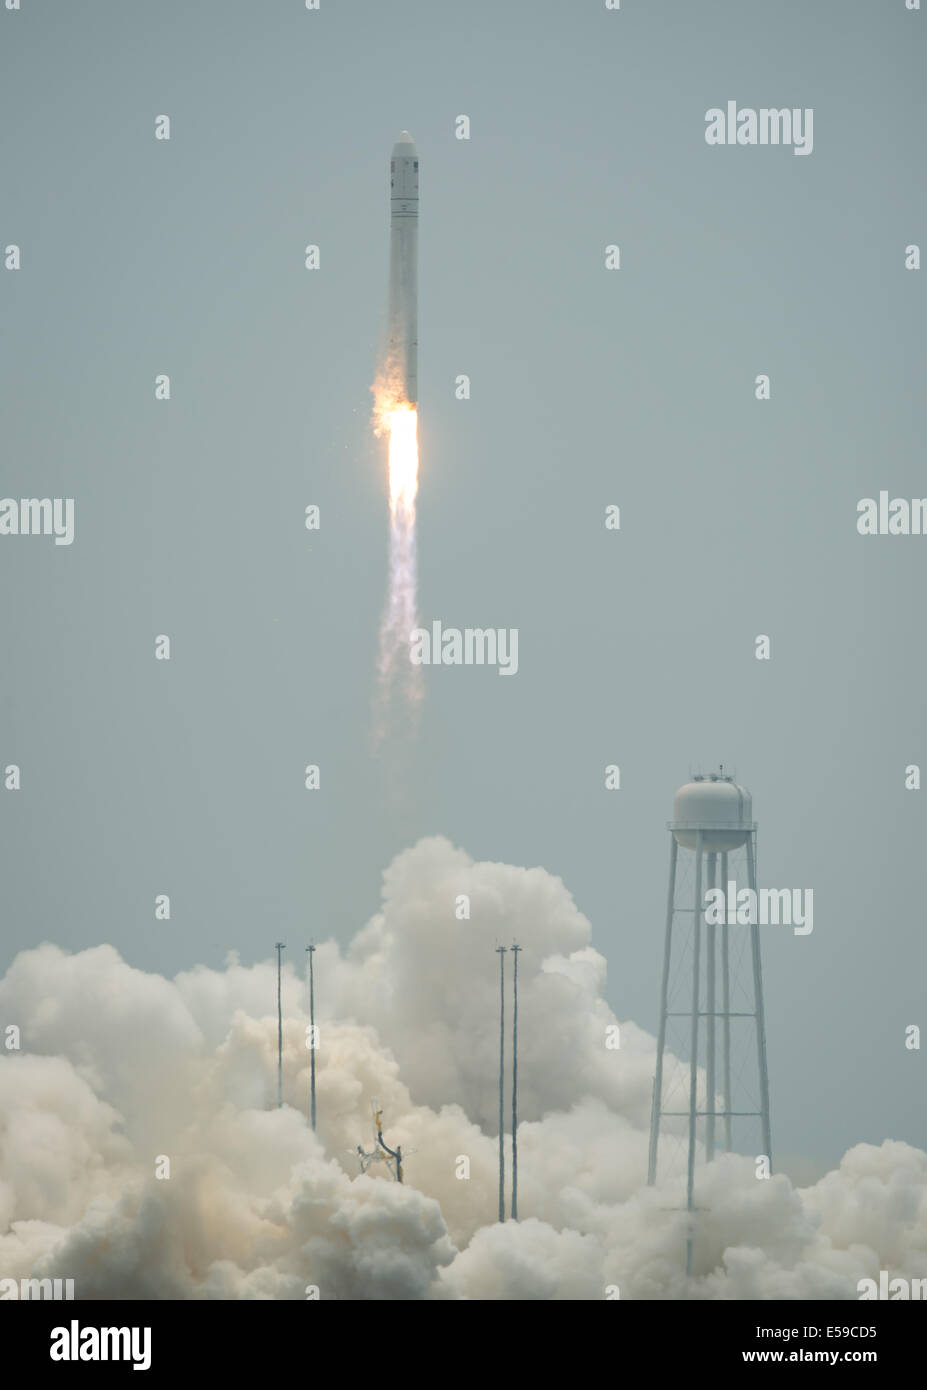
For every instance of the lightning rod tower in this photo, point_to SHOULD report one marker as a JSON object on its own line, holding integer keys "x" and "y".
{"x": 500, "y": 951}
{"x": 515, "y": 950}
{"x": 310, "y": 952}
{"x": 279, "y": 946}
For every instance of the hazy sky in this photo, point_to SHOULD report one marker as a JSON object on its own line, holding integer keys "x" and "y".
{"x": 589, "y": 387}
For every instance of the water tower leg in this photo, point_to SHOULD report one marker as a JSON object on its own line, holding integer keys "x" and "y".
{"x": 760, "y": 1013}
{"x": 693, "y": 1066}
{"x": 657, "y": 1102}
{"x": 726, "y": 1009}
{"x": 710, "y": 1006}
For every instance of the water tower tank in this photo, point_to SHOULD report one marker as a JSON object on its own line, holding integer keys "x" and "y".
{"x": 717, "y": 806}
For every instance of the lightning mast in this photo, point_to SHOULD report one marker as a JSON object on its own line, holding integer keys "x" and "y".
{"x": 500, "y": 951}
{"x": 279, "y": 946}
{"x": 310, "y": 951}
{"x": 515, "y": 950}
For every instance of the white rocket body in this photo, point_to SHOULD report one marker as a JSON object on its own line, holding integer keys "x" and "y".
{"x": 402, "y": 352}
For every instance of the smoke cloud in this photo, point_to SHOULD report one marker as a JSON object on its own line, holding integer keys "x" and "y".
{"x": 122, "y": 1072}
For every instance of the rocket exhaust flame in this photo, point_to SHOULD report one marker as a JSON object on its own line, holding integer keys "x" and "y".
{"x": 400, "y": 614}
{"x": 403, "y": 460}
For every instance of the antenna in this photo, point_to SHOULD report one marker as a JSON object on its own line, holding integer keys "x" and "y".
{"x": 500, "y": 951}
{"x": 310, "y": 951}
{"x": 515, "y": 950}
{"x": 279, "y": 946}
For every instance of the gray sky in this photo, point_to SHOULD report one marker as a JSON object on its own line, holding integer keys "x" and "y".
{"x": 589, "y": 387}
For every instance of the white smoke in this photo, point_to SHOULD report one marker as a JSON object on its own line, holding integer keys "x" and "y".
{"x": 121, "y": 1070}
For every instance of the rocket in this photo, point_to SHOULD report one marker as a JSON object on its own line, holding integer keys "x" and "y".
{"x": 402, "y": 349}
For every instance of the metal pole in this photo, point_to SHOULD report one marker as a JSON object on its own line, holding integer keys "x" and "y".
{"x": 710, "y": 1069}
{"x": 500, "y": 950}
{"x": 693, "y": 1065}
{"x": 395, "y": 1153}
{"x": 515, "y": 950}
{"x": 760, "y": 1012}
{"x": 280, "y": 946}
{"x": 310, "y": 951}
{"x": 726, "y": 1006}
{"x": 657, "y": 1103}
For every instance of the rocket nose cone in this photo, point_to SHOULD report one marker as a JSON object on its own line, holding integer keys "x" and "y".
{"x": 405, "y": 144}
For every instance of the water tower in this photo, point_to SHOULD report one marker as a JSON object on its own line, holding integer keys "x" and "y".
{"x": 712, "y": 824}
